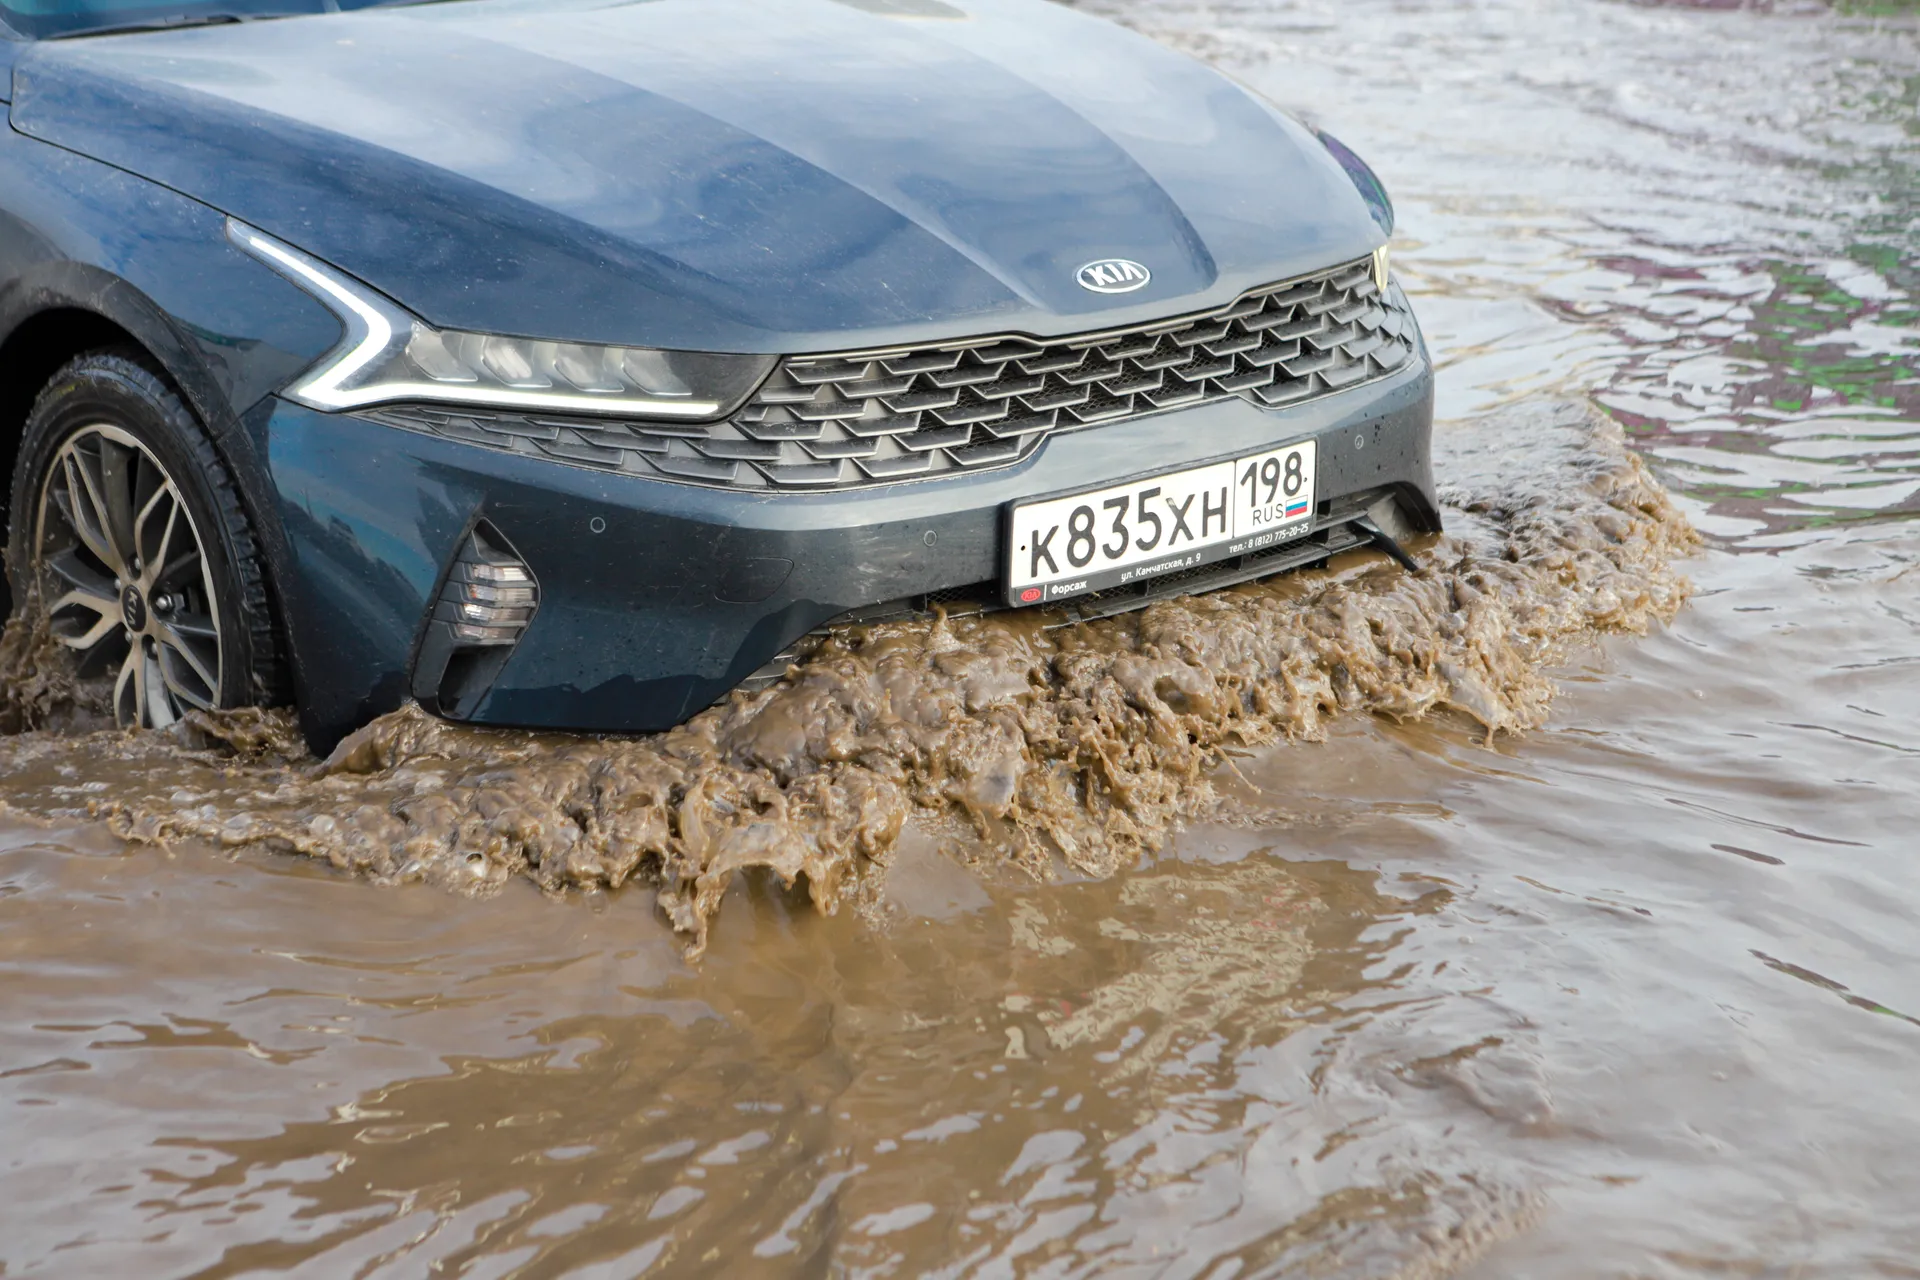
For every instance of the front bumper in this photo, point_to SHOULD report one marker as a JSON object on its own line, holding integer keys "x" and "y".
{"x": 658, "y": 598}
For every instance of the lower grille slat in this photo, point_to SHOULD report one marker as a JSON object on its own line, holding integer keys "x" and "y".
{"x": 803, "y": 475}
{"x": 991, "y": 453}
{"x": 937, "y": 438}
{"x": 871, "y": 428}
{"x": 855, "y": 448}
{"x": 791, "y": 429}
{"x": 1176, "y": 396}
{"x": 1287, "y": 393}
{"x": 898, "y": 467}
{"x": 1024, "y": 426}
{"x": 1238, "y": 382}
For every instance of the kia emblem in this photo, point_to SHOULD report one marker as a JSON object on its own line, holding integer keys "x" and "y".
{"x": 1113, "y": 275}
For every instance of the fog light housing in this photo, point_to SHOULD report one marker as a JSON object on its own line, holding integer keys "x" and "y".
{"x": 485, "y": 606}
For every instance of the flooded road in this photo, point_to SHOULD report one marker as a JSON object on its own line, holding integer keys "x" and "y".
{"x": 1625, "y": 989}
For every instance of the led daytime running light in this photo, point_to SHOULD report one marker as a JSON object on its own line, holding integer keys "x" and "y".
{"x": 388, "y": 355}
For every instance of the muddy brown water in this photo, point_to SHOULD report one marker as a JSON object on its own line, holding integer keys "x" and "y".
{"x": 1351, "y": 925}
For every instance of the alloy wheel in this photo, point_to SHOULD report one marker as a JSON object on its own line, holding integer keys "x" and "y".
{"x": 126, "y": 573}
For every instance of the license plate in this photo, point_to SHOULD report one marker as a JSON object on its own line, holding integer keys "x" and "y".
{"x": 1061, "y": 547}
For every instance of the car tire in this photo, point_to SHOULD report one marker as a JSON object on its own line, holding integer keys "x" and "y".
{"x": 130, "y": 531}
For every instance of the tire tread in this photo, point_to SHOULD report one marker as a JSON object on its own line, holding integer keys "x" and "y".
{"x": 138, "y": 376}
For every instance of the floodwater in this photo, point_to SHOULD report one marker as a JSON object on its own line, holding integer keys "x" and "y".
{"x": 1430, "y": 977}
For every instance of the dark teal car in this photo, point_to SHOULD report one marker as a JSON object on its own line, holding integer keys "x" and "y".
{"x": 565, "y": 363}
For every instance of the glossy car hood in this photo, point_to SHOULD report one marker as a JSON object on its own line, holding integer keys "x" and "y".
{"x": 747, "y": 175}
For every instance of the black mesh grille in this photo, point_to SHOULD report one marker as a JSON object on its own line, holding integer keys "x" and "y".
{"x": 848, "y": 421}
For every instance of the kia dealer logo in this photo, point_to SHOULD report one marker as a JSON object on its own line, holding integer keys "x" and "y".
{"x": 1029, "y": 595}
{"x": 1113, "y": 275}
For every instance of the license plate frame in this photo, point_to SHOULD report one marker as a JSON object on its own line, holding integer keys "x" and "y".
{"x": 1245, "y": 526}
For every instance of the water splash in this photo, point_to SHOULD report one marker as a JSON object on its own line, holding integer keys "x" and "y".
{"x": 1081, "y": 745}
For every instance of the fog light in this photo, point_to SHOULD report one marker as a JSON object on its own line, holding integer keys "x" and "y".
{"x": 483, "y": 609}
{"x": 490, "y": 594}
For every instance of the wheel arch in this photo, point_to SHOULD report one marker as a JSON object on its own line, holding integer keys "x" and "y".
{"x": 71, "y": 301}
{"x": 65, "y": 310}
{"x": 29, "y": 357}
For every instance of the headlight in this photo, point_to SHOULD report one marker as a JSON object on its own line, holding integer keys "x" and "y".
{"x": 390, "y": 355}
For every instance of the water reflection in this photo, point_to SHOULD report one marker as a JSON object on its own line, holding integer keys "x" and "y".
{"x": 1060, "y": 1072}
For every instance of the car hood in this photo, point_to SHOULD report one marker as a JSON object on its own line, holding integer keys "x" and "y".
{"x": 726, "y": 175}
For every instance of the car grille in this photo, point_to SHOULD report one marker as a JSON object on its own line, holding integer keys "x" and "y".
{"x": 871, "y": 418}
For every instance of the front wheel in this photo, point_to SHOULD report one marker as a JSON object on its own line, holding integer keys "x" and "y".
{"x": 135, "y": 539}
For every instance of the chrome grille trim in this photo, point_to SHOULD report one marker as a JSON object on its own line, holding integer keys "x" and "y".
{"x": 860, "y": 419}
